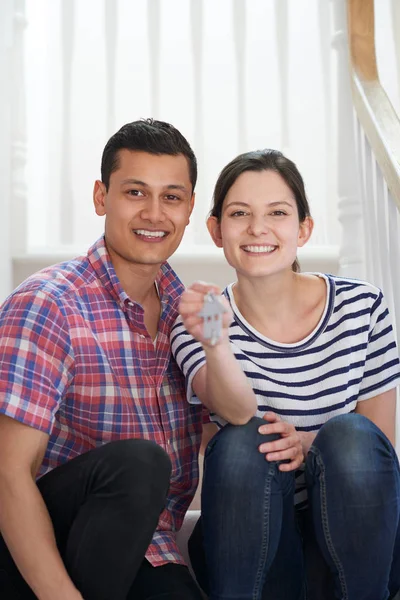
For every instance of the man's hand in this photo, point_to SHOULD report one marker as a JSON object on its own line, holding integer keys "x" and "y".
{"x": 289, "y": 447}
{"x": 192, "y": 302}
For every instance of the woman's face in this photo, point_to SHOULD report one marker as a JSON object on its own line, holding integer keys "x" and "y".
{"x": 259, "y": 228}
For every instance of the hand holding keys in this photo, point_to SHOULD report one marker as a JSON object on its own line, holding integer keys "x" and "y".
{"x": 206, "y": 314}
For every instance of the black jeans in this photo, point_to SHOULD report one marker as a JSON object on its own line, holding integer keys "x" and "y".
{"x": 105, "y": 506}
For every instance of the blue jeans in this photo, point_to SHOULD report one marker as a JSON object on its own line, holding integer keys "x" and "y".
{"x": 257, "y": 548}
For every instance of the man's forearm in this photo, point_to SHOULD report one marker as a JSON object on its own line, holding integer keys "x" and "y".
{"x": 228, "y": 389}
{"x": 28, "y": 532}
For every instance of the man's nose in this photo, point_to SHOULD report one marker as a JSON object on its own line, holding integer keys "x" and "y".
{"x": 153, "y": 211}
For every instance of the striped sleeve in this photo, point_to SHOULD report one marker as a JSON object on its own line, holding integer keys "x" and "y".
{"x": 382, "y": 370}
{"x": 189, "y": 356}
{"x": 35, "y": 359}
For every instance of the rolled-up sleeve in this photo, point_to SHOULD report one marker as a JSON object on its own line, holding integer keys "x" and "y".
{"x": 36, "y": 358}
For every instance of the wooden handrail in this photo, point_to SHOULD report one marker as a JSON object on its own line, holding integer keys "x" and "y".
{"x": 374, "y": 109}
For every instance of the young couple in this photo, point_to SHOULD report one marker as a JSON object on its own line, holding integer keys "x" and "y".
{"x": 98, "y": 443}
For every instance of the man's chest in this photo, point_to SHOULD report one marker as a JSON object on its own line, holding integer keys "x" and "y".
{"x": 122, "y": 383}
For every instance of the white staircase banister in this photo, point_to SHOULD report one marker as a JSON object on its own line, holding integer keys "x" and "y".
{"x": 375, "y": 112}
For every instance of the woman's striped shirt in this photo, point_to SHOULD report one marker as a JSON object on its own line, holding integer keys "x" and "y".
{"x": 350, "y": 356}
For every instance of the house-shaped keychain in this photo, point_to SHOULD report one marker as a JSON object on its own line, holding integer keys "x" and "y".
{"x": 212, "y": 312}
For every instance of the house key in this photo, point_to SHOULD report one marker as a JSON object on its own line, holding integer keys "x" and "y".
{"x": 212, "y": 312}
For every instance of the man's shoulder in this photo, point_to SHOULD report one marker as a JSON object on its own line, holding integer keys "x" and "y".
{"x": 58, "y": 281}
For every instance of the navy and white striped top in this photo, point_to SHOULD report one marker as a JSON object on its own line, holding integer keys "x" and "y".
{"x": 350, "y": 356}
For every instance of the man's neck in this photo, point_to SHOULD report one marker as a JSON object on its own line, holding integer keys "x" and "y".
{"x": 138, "y": 281}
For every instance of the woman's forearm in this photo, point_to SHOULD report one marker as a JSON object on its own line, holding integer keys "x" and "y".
{"x": 228, "y": 390}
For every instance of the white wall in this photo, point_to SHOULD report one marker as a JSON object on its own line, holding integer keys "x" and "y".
{"x": 233, "y": 75}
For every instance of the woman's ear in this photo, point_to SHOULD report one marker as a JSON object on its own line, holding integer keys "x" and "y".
{"x": 214, "y": 228}
{"x": 305, "y": 231}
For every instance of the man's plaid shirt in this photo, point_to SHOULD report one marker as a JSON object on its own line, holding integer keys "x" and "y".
{"x": 76, "y": 362}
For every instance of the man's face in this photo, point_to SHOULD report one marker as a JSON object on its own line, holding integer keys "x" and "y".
{"x": 147, "y": 207}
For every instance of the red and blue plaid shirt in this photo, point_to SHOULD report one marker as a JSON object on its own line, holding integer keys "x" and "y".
{"x": 77, "y": 362}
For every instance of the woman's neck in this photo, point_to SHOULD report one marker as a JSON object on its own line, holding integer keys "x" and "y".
{"x": 285, "y": 307}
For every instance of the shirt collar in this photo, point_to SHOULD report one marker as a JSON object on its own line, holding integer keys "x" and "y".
{"x": 169, "y": 285}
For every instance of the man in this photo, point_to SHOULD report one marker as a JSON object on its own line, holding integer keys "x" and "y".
{"x": 98, "y": 447}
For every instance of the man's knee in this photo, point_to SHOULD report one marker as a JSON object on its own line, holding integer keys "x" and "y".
{"x": 138, "y": 466}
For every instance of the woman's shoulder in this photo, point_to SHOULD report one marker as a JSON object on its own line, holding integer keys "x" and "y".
{"x": 350, "y": 286}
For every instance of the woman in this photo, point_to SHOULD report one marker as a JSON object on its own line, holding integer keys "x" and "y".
{"x": 311, "y": 484}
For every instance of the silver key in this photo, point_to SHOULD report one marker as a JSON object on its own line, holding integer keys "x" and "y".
{"x": 212, "y": 312}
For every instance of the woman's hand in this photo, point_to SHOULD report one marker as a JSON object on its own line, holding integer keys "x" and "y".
{"x": 289, "y": 447}
{"x": 191, "y": 303}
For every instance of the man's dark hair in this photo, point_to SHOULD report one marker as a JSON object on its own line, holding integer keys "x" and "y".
{"x": 146, "y": 135}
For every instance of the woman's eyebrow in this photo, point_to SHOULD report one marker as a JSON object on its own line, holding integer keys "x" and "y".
{"x": 272, "y": 204}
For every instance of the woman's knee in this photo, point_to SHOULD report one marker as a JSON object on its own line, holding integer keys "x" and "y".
{"x": 350, "y": 443}
{"x": 234, "y": 459}
{"x": 239, "y": 442}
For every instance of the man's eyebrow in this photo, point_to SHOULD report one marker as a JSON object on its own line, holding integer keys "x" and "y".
{"x": 134, "y": 181}
{"x": 177, "y": 186}
{"x": 171, "y": 186}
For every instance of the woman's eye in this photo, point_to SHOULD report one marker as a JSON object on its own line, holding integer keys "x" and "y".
{"x": 278, "y": 213}
{"x": 238, "y": 213}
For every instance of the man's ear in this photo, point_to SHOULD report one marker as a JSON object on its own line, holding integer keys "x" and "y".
{"x": 214, "y": 228}
{"x": 99, "y": 197}
{"x": 191, "y": 206}
{"x": 305, "y": 231}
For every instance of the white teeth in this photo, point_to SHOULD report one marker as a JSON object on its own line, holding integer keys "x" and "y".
{"x": 259, "y": 249}
{"x": 150, "y": 233}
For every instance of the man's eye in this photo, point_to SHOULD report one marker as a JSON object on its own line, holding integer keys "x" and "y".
{"x": 172, "y": 197}
{"x": 135, "y": 193}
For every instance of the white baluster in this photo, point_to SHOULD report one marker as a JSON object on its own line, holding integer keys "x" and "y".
{"x": 382, "y": 230}
{"x": 325, "y": 39}
{"x": 197, "y": 232}
{"x": 351, "y": 259}
{"x": 369, "y": 200}
{"x": 239, "y": 29}
{"x": 111, "y": 19}
{"x": 67, "y": 208}
{"x": 396, "y": 37}
{"x": 18, "y": 134}
{"x": 154, "y": 34}
{"x": 8, "y": 228}
{"x": 393, "y": 259}
{"x": 365, "y": 209}
{"x": 282, "y": 36}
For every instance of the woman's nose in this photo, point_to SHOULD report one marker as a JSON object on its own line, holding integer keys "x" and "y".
{"x": 258, "y": 225}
